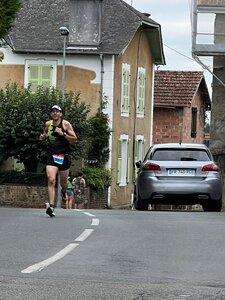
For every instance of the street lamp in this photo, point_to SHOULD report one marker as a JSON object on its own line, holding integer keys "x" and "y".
{"x": 64, "y": 31}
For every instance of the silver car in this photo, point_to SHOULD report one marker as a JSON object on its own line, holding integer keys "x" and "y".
{"x": 178, "y": 174}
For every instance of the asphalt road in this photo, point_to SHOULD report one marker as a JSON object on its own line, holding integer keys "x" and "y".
{"x": 111, "y": 254}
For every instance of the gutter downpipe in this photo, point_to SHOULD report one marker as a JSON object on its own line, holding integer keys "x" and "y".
{"x": 101, "y": 82}
{"x": 101, "y": 57}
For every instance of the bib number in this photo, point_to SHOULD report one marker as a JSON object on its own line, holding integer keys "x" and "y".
{"x": 58, "y": 158}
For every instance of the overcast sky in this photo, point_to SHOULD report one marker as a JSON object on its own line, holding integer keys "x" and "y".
{"x": 174, "y": 16}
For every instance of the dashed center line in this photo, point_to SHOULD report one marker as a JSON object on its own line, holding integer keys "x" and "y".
{"x": 85, "y": 234}
{"x": 69, "y": 248}
{"x": 45, "y": 263}
{"x": 95, "y": 222}
{"x": 88, "y": 214}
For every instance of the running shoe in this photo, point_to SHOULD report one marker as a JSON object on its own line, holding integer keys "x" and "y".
{"x": 50, "y": 210}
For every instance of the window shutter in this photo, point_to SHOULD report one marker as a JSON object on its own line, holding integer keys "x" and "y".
{"x": 194, "y": 122}
{"x": 33, "y": 77}
{"x": 125, "y": 92}
{"x": 46, "y": 75}
{"x": 119, "y": 161}
{"x": 141, "y": 91}
{"x": 40, "y": 75}
{"x": 135, "y": 151}
{"x": 128, "y": 159}
{"x": 144, "y": 149}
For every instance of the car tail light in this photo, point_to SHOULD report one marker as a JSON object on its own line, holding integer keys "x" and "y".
{"x": 210, "y": 167}
{"x": 151, "y": 167}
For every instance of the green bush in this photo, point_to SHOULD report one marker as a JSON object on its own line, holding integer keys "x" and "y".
{"x": 97, "y": 178}
{"x": 16, "y": 177}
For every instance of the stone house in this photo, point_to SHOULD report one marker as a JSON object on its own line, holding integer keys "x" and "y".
{"x": 181, "y": 99}
{"x": 111, "y": 51}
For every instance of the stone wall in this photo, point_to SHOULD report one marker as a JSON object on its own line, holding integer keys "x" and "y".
{"x": 36, "y": 197}
{"x": 23, "y": 196}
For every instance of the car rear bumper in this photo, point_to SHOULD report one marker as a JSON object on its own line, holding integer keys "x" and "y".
{"x": 156, "y": 190}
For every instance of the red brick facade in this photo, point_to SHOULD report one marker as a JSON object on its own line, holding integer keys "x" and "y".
{"x": 177, "y": 95}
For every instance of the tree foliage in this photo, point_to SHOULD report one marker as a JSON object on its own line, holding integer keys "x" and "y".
{"x": 97, "y": 178}
{"x": 8, "y": 11}
{"x": 22, "y": 118}
{"x": 98, "y": 152}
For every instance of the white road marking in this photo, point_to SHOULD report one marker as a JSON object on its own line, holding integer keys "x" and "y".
{"x": 85, "y": 234}
{"x": 45, "y": 263}
{"x": 88, "y": 214}
{"x": 95, "y": 222}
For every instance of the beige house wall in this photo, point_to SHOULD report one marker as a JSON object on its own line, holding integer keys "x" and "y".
{"x": 79, "y": 80}
{"x": 76, "y": 80}
{"x": 137, "y": 54}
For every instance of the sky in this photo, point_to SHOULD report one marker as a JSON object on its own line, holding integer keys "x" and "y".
{"x": 174, "y": 16}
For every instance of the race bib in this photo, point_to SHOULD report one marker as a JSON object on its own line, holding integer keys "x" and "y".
{"x": 58, "y": 158}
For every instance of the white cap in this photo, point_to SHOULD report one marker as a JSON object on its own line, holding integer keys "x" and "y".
{"x": 56, "y": 107}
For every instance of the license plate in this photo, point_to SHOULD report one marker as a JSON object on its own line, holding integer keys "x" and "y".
{"x": 181, "y": 172}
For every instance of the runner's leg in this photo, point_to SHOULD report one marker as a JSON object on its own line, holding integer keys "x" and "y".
{"x": 51, "y": 174}
{"x": 63, "y": 179}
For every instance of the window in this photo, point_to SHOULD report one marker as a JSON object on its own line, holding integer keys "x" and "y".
{"x": 139, "y": 150}
{"x": 123, "y": 160}
{"x": 85, "y": 20}
{"x": 141, "y": 91}
{"x": 125, "y": 90}
{"x": 194, "y": 122}
{"x": 180, "y": 155}
{"x": 40, "y": 73}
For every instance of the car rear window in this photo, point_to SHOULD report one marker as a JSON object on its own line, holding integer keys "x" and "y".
{"x": 180, "y": 155}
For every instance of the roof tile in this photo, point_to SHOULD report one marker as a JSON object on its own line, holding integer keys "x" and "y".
{"x": 178, "y": 88}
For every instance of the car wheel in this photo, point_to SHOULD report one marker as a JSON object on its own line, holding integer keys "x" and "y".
{"x": 213, "y": 205}
{"x": 138, "y": 204}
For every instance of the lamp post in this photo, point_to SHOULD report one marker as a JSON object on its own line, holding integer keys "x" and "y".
{"x": 64, "y": 31}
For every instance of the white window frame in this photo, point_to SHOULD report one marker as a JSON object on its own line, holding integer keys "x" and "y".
{"x": 139, "y": 150}
{"x": 124, "y": 164}
{"x": 141, "y": 92}
{"x": 125, "y": 90}
{"x": 29, "y": 62}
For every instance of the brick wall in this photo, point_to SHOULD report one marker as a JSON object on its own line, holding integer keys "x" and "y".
{"x": 23, "y": 196}
{"x": 98, "y": 199}
{"x": 166, "y": 125}
{"x": 171, "y": 124}
{"x": 36, "y": 197}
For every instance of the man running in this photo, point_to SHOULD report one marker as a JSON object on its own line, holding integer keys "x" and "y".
{"x": 60, "y": 134}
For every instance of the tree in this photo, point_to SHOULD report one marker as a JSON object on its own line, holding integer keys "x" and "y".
{"x": 22, "y": 118}
{"x": 8, "y": 11}
{"x": 98, "y": 152}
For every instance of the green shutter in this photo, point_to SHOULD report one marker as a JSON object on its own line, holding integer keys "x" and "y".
{"x": 135, "y": 151}
{"x": 125, "y": 99}
{"x": 119, "y": 161}
{"x": 141, "y": 91}
{"x": 135, "y": 157}
{"x": 128, "y": 159}
{"x": 144, "y": 149}
{"x": 33, "y": 78}
{"x": 46, "y": 75}
{"x": 40, "y": 75}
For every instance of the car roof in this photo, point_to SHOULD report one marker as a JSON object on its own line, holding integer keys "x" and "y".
{"x": 180, "y": 145}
